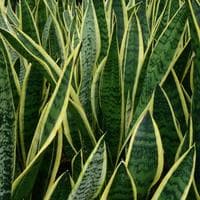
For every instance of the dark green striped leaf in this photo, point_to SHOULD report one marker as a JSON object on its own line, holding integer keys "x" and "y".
{"x": 161, "y": 58}
{"x": 133, "y": 54}
{"x": 110, "y": 98}
{"x": 33, "y": 52}
{"x": 53, "y": 113}
{"x": 172, "y": 88}
{"x": 28, "y": 23}
{"x": 101, "y": 17}
{"x": 49, "y": 123}
{"x": 167, "y": 128}
{"x": 61, "y": 188}
{"x": 177, "y": 182}
{"x": 92, "y": 176}
{"x": 89, "y": 55}
{"x": 30, "y": 103}
{"x": 143, "y": 21}
{"x": 145, "y": 155}
{"x": 121, "y": 18}
{"x": 120, "y": 186}
{"x": 7, "y": 134}
{"x": 194, "y": 20}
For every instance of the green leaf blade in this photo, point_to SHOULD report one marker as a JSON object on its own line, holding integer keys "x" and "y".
{"x": 145, "y": 156}
{"x": 177, "y": 182}
{"x": 92, "y": 176}
{"x": 7, "y": 136}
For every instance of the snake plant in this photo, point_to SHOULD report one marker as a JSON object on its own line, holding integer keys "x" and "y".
{"x": 99, "y": 99}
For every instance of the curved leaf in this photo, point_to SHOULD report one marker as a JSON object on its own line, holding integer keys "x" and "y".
{"x": 92, "y": 176}
{"x": 145, "y": 155}
{"x": 161, "y": 58}
{"x": 163, "y": 108}
{"x": 120, "y": 186}
{"x": 177, "y": 182}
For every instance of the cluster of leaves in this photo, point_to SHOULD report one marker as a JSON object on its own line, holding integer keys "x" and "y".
{"x": 100, "y": 99}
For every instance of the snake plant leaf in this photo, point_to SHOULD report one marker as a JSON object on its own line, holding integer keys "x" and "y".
{"x": 30, "y": 103}
{"x": 51, "y": 6}
{"x": 103, "y": 28}
{"x": 89, "y": 54}
{"x": 14, "y": 80}
{"x": 183, "y": 61}
{"x": 60, "y": 189}
{"x": 3, "y": 20}
{"x": 95, "y": 98}
{"x": 110, "y": 98}
{"x": 7, "y": 134}
{"x": 195, "y": 33}
{"x": 121, "y": 18}
{"x": 184, "y": 145}
{"x": 143, "y": 20}
{"x": 133, "y": 54}
{"x": 31, "y": 4}
{"x": 145, "y": 155}
{"x": 43, "y": 178}
{"x": 195, "y": 9}
{"x": 53, "y": 46}
{"x": 115, "y": 191}
{"x": 52, "y": 115}
{"x": 33, "y": 52}
{"x": 177, "y": 182}
{"x": 46, "y": 32}
{"x": 77, "y": 163}
{"x": 163, "y": 17}
{"x": 24, "y": 183}
{"x": 40, "y": 16}
{"x": 177, "y": 99}
{"x": 67, "y": 18}
{"x": 28, "y": 22}
{"x": 11, "y": 14}
{"x": 92, "y": 176}
{"x": 162, "y": 108}
{"x": 54, "y": 170}
{"x": 160, "y": 58}
{"x": 50, "y": 122}
{"x": 174, "y": 5}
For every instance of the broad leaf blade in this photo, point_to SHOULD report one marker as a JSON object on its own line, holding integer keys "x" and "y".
{"x": 121, "y": 185}
{"x": 110, "y": 98}
{"x": 168, "y": 129}
{"x": 161, "y": 57}
{"x": 177, "y": 182}
{"x": 145, "y": 155}
{"x": 92, "y": 176}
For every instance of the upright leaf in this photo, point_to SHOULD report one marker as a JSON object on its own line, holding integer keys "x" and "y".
{"x": 110, "y": 98}
{"x": 115, "y": 191}
{"x": 121, "y": 18}
{"x": 168, "y": 128}
{"x": 92, "y": 176}
{"x": 89, "y": 54}
{"x": 49, "y": 123}
{"x": 161, "y": 58}
{"x": 145, "y": 155}
{"x": 103, "y": 27}
{"x": 7, "y": 135}
{"x": 28, "y": 23}
{"x": 133, "y": 54}
{"x": 177, "y": 182}
{"x": 194, "y": 20}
